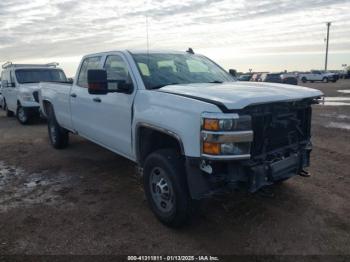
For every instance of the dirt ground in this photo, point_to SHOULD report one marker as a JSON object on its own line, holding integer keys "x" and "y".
{"x": 87, "y": 200}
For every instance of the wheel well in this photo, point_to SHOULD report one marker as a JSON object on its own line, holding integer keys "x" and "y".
{"x": 150, "y": 140}
{"x": 46, "y": 104}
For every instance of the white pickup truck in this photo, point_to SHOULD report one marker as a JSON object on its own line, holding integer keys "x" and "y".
{"x": 20, "y": 84}
{"x": 316, "y": 75}
{"x": 193, "y": 130}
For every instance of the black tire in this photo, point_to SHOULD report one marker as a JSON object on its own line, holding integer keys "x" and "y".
{"x": 304, "y": 80}
{"x": 22, "y": 115}
{"x": 325, "y": 80}
{"x": 170, "y": 166}
{"x": 59, "y": 137}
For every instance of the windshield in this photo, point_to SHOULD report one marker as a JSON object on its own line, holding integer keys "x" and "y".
{"x": 158, "y": 70}
{"x": 40, "y": 75}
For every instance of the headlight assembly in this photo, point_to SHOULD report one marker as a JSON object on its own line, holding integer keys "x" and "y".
{"x": 241, "y": 123}
{"x": 226, "y": 136}
{"x": 26, "y": 96}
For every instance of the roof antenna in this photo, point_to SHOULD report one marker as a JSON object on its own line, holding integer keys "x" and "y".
{"x": 147, "y": 34}
{"x": 190, "y": 51}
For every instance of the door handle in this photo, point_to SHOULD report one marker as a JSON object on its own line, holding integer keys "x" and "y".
{"x": 97, "y": 100}
{"x": 73, "y": 95}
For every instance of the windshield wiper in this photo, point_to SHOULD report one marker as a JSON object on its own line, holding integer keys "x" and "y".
{"x": 160, "y": 86}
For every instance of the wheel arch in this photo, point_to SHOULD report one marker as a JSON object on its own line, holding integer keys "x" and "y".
{"x": 145, "y": 133}
{"x": 46, "y": 104}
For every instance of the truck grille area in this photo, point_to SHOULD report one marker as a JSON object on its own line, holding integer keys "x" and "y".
{"x": 36, "y": 96}
{"x": 279, "y": 125}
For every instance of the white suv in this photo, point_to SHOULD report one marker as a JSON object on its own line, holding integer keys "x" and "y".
{"x": 20, "y": 84}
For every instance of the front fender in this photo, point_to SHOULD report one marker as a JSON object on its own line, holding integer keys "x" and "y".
{"x": 178, "y": 116}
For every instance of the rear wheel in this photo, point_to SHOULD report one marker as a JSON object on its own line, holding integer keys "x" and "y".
{"x": 304, "y": 79}
{"x": 22, "y": 115}
{"x": 59, "y": 137}
{"x": 166, "y": 188}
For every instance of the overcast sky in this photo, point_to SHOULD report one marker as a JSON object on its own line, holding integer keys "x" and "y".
{"x": 259, "y": 34}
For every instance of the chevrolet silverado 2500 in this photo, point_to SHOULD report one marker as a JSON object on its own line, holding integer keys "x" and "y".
{"x": 193, "y": 130}
{"x": 20, "y": 83}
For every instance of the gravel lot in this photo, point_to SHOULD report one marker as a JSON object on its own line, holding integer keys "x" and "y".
{"x": 87, "y": 200}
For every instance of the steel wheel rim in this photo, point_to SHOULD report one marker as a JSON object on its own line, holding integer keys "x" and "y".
{"x": 21, "y": 114}
{"x": 161, "y": 190}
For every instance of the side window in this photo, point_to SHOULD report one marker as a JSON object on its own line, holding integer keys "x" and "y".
{"x": 117, "y": 71}
{"x": 144, "y": 69}
{"x": 12, "y": 78}
{"x": 88, "y": 63}
{"x": 3, "y": 79}
{"x": 195, "y": 66}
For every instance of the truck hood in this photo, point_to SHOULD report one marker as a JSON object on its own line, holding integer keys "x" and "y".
{"x": 237, "y": 95}
{"x": 30, "y": 87}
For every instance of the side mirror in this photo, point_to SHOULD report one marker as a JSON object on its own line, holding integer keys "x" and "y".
{"x": 7, "y": 84}
{"x": 70, "y": 80}
{"x": 97, "y": 81}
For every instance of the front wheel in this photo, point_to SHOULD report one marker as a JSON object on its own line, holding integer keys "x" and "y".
{"x": 59, "y": 137}
{"x": 304, "y": 80}
{"x": 166, "y": 188}
{"x": 22, "y": 115}
{"x": 325, "y": 80}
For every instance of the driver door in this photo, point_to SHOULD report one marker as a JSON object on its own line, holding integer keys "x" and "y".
{"x": 10, "y": 92}
{"x": 113, "y": 111}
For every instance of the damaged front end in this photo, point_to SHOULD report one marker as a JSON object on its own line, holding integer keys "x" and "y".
{"x": 278, "y": 149}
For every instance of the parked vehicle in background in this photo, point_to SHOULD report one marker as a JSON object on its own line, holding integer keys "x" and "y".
{"x": 256, "y": 77}
{"x": 271, "y": 77}
{"x": 20, "y": 84}
{"x": 289, "y": 79}
{"x": 335, "y": 77}
{"x": 347, "y": 74}
{"x": 233, "y": 72}
{"x": 245, "y": 77}
{"x": 317, "y": 75}
{"x": 192, "y": 129}
{"x": 1, "y": 97}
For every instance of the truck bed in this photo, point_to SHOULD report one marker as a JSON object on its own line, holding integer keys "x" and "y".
{"x": 58, "y": 93}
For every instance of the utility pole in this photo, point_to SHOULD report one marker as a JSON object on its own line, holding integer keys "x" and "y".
{"x": 326, "y": 62}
